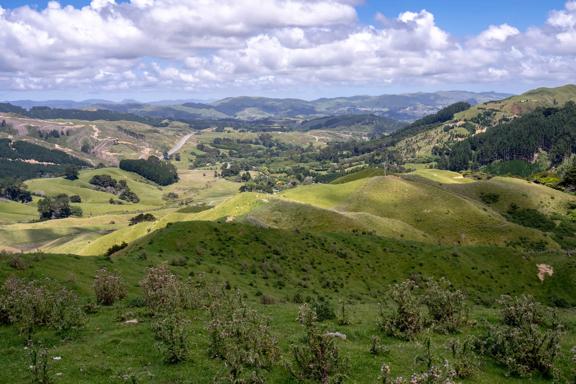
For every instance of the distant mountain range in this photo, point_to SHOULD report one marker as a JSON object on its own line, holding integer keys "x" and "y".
{"x": 404, "y": 107}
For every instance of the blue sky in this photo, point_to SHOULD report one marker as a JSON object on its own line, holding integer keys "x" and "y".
{"x": 465, "y": 17}
{"x": 151, "y": 49}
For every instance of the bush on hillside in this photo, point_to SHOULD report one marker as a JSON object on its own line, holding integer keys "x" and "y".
{"x": 108, "y": 287}
{"x": 529, "y": 217}
{"x": 446, "y": 305}
{"x": 522, "y": 343}
{"x": 116, "y": 248}
{"x": 407, "y": 320}
{"x": 33, "y": 304}
{"x": 242, "y": 339}
{"x": 172, "y": 334}
{"x": 317, "y": 359}
{"x": 141, "y": 218}
{"x": 164, "y": 291}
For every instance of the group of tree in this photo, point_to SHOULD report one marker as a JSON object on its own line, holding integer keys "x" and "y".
{"x": 24, "y": 160}
{"x": 159, "y": 171}
{"x": 107, "y": 183}
{"x": 57, "y": 207}
{"x": 546, "y": 129}
{"x": 15, "y": 190}
{"x": 382, "y": 146}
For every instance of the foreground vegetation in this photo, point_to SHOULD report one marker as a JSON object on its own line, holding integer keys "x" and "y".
{"x": 164, "y": 310}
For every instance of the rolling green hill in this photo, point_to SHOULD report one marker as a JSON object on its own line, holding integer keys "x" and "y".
{"x": 480, "y": 118}
{"x": 280, "y": 265}
{"x": 432, "y": 206}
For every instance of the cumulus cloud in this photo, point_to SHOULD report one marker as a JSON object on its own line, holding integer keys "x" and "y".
{"x": 211, "y": 44}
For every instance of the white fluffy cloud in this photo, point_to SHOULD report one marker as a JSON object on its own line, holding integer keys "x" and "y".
{"x": 211, "y": 44}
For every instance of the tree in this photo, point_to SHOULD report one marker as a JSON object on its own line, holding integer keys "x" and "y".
{"x": 14, "y": 190}
{"x": 71, "y": 172}
{"x": 569, "y": 179}
{"x": 4, "y": 124}
{"x": 56, "y": 208}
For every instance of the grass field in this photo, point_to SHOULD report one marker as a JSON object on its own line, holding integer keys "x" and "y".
{"x": 427, "y": 205}
{"x": 354, "y": 268}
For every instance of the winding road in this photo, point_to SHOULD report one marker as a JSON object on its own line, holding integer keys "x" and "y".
{"x": 179, "y": 144}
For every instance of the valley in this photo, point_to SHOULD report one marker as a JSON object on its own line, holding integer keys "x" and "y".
{"x": 268, "y": 210}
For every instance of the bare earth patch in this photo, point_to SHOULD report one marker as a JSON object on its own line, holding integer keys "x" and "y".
{"x": 543, "y": 270}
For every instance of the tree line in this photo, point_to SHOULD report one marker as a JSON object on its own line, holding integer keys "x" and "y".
{"x": 549, "y": 129}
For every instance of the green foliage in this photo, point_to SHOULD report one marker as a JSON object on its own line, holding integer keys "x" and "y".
{"x": 141, "y": 218}
{"x": 159, "y": 171}
{"x": 57, "y": 207}
{"x": 446, "y": 305}
{"x": 530, "y": 217}
{"x": 549, "y": 129}
{"x": 489, "y": 197}
{"x": 520, "y": 168}
{"x": 39, "y": 369}
{"x": 242, "y": 339}
{"x": 376, "y": 346}
{"x": 323, "y": 309}
{"x": 25, "y": 160}
{"x": 71, "y": 172}
{"x": 107, "y": 183}
{"x": 116, "y": 248}
{"x": 77, "y": 114}
{"x": 445, "y": 114}
{"x": 23, "y": 150}
{"x": 15, "y": 190}
{"x": 569, "y": 179}
{"x": 522, "y": 343}
{"x": 317, "y": 359}
{"x": 172, "y": 333}
{"x": 108, "y": 287}
{"x": 35, "y": 304}
{"x": 408, "y": 319}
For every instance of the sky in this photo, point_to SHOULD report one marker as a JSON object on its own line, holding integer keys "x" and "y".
{"x": 206, "y": 49}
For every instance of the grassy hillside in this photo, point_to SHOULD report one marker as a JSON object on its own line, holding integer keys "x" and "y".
{"x": 524, "y": 103}
{"x": 356, "y": 268}
{"x": 428, "y": 205}
{"x": 481, "y": 117}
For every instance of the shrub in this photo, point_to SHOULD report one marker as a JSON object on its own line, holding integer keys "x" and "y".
{"x": 116, "y": 248}
{"x": 408, "y": 319}
{"x": 34, "y": 304}
{"x": 436, "y": 374}
{"x": 55, "y": 207}
{"x": 242, "y": 338}
{"x": 108, "y": 287}
{"x": 521, "y": 343}
{"x": 75, "y": 199}
{"x": 324, "y": 309}
{"x": 529, "y": 217}
{"x": 489, "y": 197}
{"x": 520, "y": 310}
{"x": 445, "y": 305}
{"x": 172, "y": 334}
{"x": 17, "y": 262}
{"x": 343, "y": 318}
{"x": 163, "y": 291}
{"x": 142, "y": 217}
{"x": 376, "y": 347}
{"x": 464, "y": 357}
{"x": 39, "y": 369}
{"x": 317, "y": 359}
